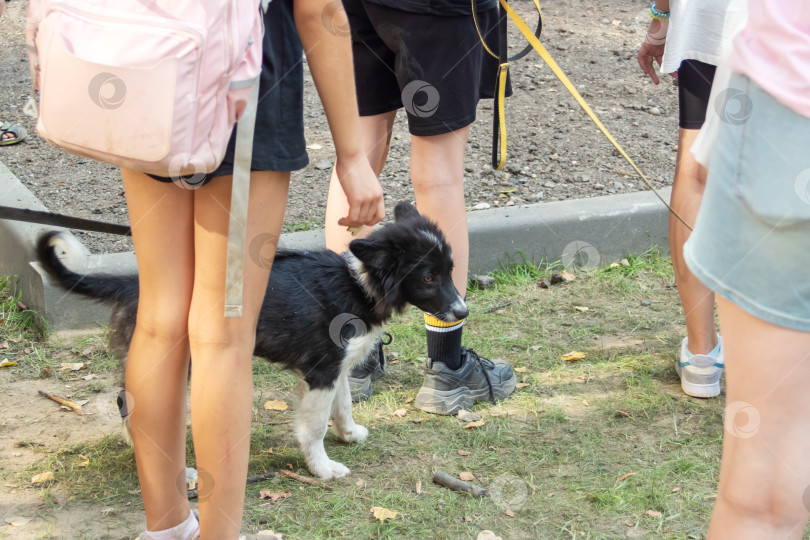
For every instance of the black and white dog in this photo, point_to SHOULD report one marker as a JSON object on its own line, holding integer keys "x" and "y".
{"x": 321, "y": 316}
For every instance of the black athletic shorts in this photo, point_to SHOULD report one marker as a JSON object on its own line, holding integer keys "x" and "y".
{"x": 434, "y": 66}
{"x": 694, "y": 86}
{"x": 278, "y": 140}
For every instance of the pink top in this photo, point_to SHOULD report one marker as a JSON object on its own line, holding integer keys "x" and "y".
{"x": 774, "y": 50}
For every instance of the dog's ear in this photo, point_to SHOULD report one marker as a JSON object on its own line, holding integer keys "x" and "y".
{"x": 405, "y": 211}
{"x": 372, "y": 253}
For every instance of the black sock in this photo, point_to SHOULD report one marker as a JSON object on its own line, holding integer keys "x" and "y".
{"x": 444, "y": 341}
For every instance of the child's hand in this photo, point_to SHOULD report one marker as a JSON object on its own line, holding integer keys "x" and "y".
{"x": 653, "y": 48}
{"x": 363, "y": 191}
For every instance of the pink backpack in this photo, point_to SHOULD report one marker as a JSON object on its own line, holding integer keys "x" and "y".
{"x": 155, "y": 86}
{"x": 150, "y": 85}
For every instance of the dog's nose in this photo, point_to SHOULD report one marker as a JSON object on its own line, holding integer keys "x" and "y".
{"x": 460, "y": 311}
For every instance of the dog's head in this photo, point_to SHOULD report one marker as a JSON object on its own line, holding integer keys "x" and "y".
{"x": 409, "y": 262}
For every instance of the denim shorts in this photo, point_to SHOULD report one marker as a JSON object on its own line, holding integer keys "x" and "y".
{"x": 751, "y": 242}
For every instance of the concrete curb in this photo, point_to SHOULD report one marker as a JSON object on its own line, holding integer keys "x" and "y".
{"x": 583, "y": 232}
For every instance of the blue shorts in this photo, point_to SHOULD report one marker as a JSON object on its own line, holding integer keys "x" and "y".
{"x": 278, "y": 140}
{"x": 751, "y": 242}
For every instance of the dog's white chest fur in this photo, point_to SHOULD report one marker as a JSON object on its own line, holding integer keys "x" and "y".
{"x": 358, "y": 348}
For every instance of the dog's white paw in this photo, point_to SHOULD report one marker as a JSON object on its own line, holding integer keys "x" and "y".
{"x": 328, "y": 469}
{"x": 357, "y": 434}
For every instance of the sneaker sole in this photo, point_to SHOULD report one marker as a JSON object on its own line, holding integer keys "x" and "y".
{"x": 448, "y": 402}
{"x": 700, "y": 390}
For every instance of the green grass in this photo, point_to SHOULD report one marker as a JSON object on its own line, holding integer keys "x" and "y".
{"x": 556, "y": 451}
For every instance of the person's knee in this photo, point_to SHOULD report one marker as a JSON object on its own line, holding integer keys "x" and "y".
{"x": 771, "y": 503}
{"x": 211, "y": 337}
{"x": 163, "y": 326}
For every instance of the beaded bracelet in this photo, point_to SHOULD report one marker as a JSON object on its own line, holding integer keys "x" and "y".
{"x": 659, "y": 15}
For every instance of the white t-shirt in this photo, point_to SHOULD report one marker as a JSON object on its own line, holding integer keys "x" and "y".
{"x": 702, "y": 30}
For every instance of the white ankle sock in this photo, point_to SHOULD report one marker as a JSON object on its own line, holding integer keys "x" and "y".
{"x": 178, "y": 532}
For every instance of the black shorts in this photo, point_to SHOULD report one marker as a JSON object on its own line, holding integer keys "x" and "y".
{"x": 434, "y": 66}
{"x": 694, "y": 86}
{"x": 278, "y": 139}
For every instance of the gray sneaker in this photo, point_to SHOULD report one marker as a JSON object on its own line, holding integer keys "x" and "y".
{"x": 700, "y": 374}
{"x": 446, "y": 391}
{"x": 373, "y": 368}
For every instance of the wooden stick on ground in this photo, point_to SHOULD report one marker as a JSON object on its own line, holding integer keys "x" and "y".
{"x": 62, "y": 401}
{"x": 304, "y": 479}
{"x": 445, "y": 480}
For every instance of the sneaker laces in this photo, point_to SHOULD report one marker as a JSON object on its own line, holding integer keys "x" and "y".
{"x": 486, "y": 364}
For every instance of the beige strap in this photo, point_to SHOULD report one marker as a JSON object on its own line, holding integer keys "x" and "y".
{"x": 237, "y": 227}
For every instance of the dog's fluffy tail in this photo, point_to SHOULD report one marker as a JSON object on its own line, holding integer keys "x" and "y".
{"x": 106, "y": 288}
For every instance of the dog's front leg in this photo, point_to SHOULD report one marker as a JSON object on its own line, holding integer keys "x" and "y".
{"x": 311, "y": 420}
{"x": 344, "y": 424}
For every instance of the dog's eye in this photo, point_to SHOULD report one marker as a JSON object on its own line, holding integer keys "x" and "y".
{"x": 427, "y": 278}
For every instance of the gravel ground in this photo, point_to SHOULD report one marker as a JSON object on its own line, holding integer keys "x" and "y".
{"x": 555, "y": 151}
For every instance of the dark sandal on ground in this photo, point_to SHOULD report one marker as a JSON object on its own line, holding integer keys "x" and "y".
{"x": 373, "y": 368}
{"x": 446, "y": 391}
{"x": 19, "y": 133}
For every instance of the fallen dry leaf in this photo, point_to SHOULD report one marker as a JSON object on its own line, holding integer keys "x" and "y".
{"x": 521, "y": 369}
{"x": 409, "y": 399}
{"x": 536, "y": 347}
{"x": 521, "y": 385}
{"x": 90, "y": 377}
{"x": 463, "y": 453}
{"x": 28, "y": 350}
{"x": 72, "y": 366}
{"x": 360, "y": 483}
{"x": 487, "y": 535}
{"x": 17, "y": 521}
{"x": 573, "y": 355}
{"x": 42, "y": 477}
{"x": 382, "y": 514}
{"x": 653, "y": 513}
{"x": 624, "y": 477}
{"x": 629, "y": 522}
{"x": 676, "y": 489}
{"x": 399, "y": 413}
{"x": 419, "y": 487}
{"x": 7, "y": 363}
{"x": 466, "y": 476}
{"x": 85, "y": 463}
{"x": 276, "y": 405}
{"x": 468, "y": 519}
{"x": 4, "y": 345}
{"x": 623, "y": 413}
{"x": 476, "y": 424}
{"x": 509, "y": 513}
{"x": 567, "y": 276}
{"x": 268, "y": 534}
{"x": 582, "y": 309}
{"x": 273, "y": 496}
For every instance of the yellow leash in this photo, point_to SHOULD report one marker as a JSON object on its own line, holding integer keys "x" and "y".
{"x": 503, "y": 69}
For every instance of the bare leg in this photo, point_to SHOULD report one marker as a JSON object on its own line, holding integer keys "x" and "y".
{"x": 764, "y": 473}
{"x": 437, "y": 173}
{"x": 376, "y": 132}
{"x": 697, "y": 299}
{"x": 222, "y": 348}
{"x": 157, "y": 364}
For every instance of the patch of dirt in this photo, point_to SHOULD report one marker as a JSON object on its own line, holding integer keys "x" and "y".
{"x": 555, "y": 152}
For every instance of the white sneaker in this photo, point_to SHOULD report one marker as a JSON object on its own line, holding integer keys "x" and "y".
{"x": 700, "y": 373}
